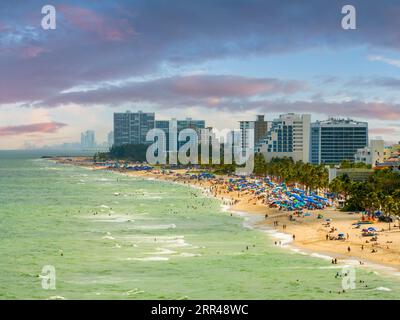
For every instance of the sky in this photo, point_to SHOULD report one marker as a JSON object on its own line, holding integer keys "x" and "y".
{"x": 217, "y": 60}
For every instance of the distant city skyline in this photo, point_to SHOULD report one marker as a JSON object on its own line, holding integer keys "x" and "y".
{"x": 223, "y": 66}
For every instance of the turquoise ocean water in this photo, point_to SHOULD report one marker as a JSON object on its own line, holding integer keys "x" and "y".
{"x": 109, "y": 236}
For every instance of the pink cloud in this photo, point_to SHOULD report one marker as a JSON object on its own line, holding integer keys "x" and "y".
{"x": 44, "y": 127}
{"x": 32, "y": 51}
{"x": 3, "y": 27}
{"x": 93, "y": 22}
{"x": 231, "y": 86}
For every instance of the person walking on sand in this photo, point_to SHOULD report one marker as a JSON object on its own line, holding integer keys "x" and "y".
{"x": 294, "y": 237}
{"x": 348, "y": 249}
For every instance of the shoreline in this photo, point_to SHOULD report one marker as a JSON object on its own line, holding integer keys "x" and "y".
{"x": 307, "y": 235}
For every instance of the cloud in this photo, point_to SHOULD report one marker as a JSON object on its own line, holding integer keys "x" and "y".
{"x": 97, "y": 41}
{"x": 45, "y": 127}
{"x": 385, "y": 82}
{"x": 354, "y": 108}
{"x": 32, "y": 51}
{"x": 90, "y": 21}
{"x": 392, "y": 62}
{"x": 226, "y": 93}
{"x": 180, "y": 90}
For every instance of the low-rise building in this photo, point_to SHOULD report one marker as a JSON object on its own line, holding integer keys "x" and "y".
{"x": 373, "y": 154}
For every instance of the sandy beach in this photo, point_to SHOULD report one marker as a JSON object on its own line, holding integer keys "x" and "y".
{"x": 309, "y": 231}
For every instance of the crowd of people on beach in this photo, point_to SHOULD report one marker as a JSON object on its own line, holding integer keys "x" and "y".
{"x": 263, "y": 190}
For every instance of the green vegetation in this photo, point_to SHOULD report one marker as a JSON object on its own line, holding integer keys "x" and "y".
{"x": 131, "y": 152}
{"x": 380, "y": 192}
{"x": 354, "y": 165}
{"x": 310, "y": 176}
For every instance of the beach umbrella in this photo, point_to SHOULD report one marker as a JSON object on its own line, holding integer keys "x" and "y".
{"x": 297, "y": 197}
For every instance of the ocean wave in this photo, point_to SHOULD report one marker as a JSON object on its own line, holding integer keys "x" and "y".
{"x": 163, "y": 251}
{"x": 382, "y": 289}
{"x": 149, "y": 259}
{"x": 108, "y": 238}
{"x": 156, "y": 227}
{"x": 115, "y": 220}
{"x": 189, "y": 255}
{"x": 133, "y": 292}
{"x": 56, "y": 298}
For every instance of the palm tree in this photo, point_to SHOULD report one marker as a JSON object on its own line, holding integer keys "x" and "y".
{"x": 389, "y": 206}
{"x": 372, "y": 201}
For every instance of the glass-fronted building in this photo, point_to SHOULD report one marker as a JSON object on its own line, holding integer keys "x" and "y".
{"x": 260, "y": 127}
{"x": 335, "y": 140}
{"x": 188, "y": 123}
{"x": 288, "y": 136}
{"x": 132, "y": 127}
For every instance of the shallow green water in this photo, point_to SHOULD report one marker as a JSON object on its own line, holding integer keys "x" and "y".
{"x": 148, "y": 240}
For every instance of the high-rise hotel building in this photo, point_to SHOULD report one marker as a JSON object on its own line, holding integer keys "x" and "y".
{"x": 335, "y": 140}
{"x": 132, "y": 127}
{"x": 187, "y": 123}
{"x": 289, "y": 136}
{"x": 88, "y": 140}
{"x": 260, "y": 127}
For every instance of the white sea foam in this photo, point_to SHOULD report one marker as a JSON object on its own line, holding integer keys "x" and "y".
{"x": 108, "y": 238}
{"x": 133, "y": 292}
{"x": 56, "y": 298}
{"x": 224, "y": 208}
{"x": 187, "y": 254}
{"x": 298, "y": 251}
{"x": 383, "y": 289}
{"x": 115, "y": 220}
{"x": 163, "y": 251}
{"x": 177, "y": 243}
{"x": 149, "y": 259}
{"x": 149, "y": 239}
{"x": 321, "y": 256}
{"x": 156, "y": 227}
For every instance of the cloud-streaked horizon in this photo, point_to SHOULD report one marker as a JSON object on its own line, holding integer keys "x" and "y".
{"x": 46, "y": 127}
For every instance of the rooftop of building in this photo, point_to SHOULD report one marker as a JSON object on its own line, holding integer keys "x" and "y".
{"x": 340, "y": 121}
